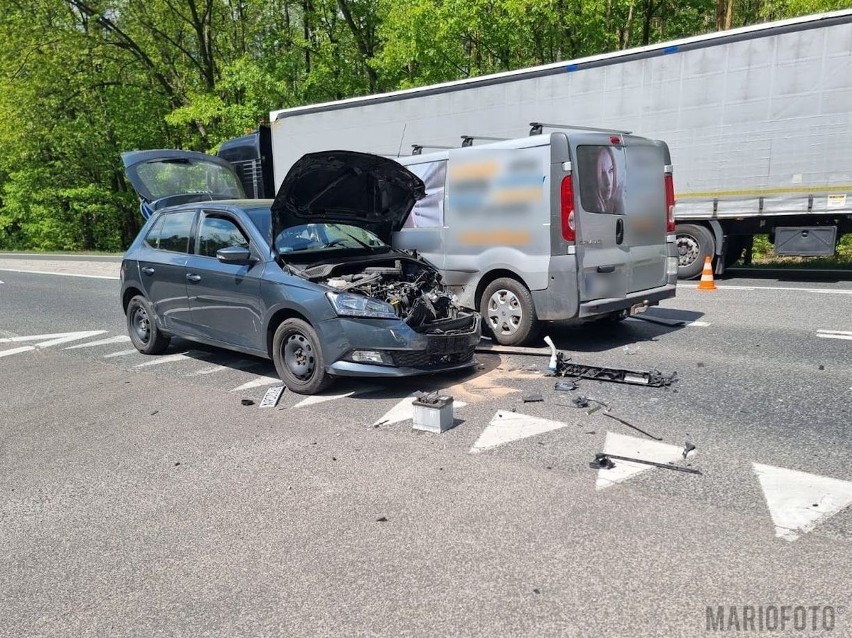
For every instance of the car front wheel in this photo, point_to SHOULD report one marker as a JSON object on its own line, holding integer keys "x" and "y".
{"x": 298, "y": 357}
{"x": 142, "y": 327}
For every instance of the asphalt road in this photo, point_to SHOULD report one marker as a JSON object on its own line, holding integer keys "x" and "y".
{"x": 139, "y": 497}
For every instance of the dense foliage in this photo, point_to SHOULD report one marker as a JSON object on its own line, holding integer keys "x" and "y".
{"x": 83, "y": 80}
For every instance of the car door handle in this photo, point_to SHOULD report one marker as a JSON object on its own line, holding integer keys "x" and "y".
{"x": 147, "y": 270}
{"x": 606, "y": 269}
{"x": 193, "y": 278}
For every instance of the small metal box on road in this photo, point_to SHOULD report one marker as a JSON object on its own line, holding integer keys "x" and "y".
{"x": 433, "y": 413}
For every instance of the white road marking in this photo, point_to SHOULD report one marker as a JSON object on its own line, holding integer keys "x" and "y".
{"x": 799, "y": 501}
{"x": 507, "y": 427}
{"x": 825, "y": 291}
{"x": 211, "y": 370}
{"x": 644, "y": 449}
{"x": 59, "y": 274}
{"x": 698, "y": 324}
{"x": 322, "y": 398}
{"x": 101, "y": 342}
{"x": 834, "y": 334}
{"x": 404, "y": 411}
{"x": 6, "y": 353}
{"x": 167, "y": 359}
{"x": 257, "y": 383}
{"x": 122, "y": 353}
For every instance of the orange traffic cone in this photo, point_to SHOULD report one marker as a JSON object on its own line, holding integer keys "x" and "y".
{"x": 707, "y": 282}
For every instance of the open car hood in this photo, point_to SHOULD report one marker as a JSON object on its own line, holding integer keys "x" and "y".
{"x": 168, "y": 177}
{"x": 346, "y": 187}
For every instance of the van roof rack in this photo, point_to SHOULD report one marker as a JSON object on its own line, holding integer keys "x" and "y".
{"x": 536, "y": 128}
{"x": 417, "y": 149}
{"x": 467, "y": 140}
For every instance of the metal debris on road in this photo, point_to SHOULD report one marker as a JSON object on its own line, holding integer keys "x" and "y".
{"x": 533, "y": 397}
{"x": 652, "y": 378}
{"x": 662, "y": 322}
{"x": 272, "y": 396}
{"x": 564, "y": 386}
{"x": 630, "y": 425}
{"x": 688, "y": 448}
{"x": 603, "y": 461}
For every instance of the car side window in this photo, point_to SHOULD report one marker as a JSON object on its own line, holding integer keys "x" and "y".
{"x": 153, "y": 236}
{"x": 176, "y": 229}
{"x": 219, "y": 232}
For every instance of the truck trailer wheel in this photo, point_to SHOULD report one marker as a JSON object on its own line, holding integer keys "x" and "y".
{"x": 694, "y": 244}
{"x": 508, "y": 312}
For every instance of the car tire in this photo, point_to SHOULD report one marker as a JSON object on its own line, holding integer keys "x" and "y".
{"x": 142, "y": 327}
{"x": 297, "y": 355}
{"x": 694, "y": 244}
{"x": 508, "y": 312}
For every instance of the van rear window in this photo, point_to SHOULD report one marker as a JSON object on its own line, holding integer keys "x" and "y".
{"x": 601, "y": 173}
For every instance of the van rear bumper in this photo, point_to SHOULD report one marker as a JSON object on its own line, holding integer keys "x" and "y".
{"x": 605, "y": 306}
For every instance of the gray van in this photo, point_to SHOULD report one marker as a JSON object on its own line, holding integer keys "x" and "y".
{"x": 571, "y": 225}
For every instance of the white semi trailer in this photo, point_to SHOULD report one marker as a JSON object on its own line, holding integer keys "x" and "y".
{"x": 758, "y": 120}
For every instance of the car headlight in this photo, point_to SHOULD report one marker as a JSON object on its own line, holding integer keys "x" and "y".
{"x": 349, "y": 305}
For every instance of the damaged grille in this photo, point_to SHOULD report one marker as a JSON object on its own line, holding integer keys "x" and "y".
{"x": 427, "y": 361}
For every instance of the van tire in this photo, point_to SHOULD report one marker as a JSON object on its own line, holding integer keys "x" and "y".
{"x": 508, "y": 312}
{"x": 694, "y": 244}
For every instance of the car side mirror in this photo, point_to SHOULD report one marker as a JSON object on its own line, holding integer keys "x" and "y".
{"x": 234, "y": 255}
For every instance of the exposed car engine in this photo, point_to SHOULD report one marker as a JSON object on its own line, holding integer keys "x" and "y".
{"x": 413, "y": 289}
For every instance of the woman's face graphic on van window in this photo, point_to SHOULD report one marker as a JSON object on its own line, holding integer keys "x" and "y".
{"x": 606, "y": 175}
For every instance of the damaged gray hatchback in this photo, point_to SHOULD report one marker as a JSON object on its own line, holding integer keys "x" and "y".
{"x": 308, "y": 279}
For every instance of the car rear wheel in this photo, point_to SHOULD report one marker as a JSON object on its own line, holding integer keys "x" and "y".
{"x": 298, "y": 358}
{"x": 694, "y": 244}
{"x": 508, "y": 312}
{"x": 146, "y": 337}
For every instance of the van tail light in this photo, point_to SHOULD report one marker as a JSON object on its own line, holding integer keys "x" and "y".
{"x": 569, "y": 230}
{"x": 670, "y": 203}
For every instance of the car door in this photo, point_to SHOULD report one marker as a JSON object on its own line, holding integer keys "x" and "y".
{"x": 603, "y": 256}
{"x": 162, "y": 268}
{"x": 225, "y": 298}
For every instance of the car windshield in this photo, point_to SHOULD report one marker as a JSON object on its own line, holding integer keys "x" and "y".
{"x": 314, "y": 237}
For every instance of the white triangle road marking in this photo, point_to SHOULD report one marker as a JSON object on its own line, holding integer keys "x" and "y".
{"x": 157, "y": 361}
{"x": 101, "y": 342}
{"x": 121, "y": 353}
{"x": 257, "y": 383}
{"x": 6, "y": 353}
{"x": 404, "y": 411}
{"x": 644, "y": 449}
{"x": 506, "y": 427}
{"x": 322, "y": 398}
{"x": 799, "y": 501}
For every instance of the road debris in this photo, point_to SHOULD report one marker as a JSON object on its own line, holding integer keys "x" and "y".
{"x": 658, "y": 320}
{"x": 246, "y": 401}
{"x": 564, "y": 386}
{"x": 433, "y": 412}
{"x": 688, "y": 449}
{"x": 603, "y": 461}
{"x": 652, "y": 378}
{"x": 630, "y": 425}
{"x": 533, "y": 397}
{"x": 272, "y": 396}
{"x": 382, "y": 519}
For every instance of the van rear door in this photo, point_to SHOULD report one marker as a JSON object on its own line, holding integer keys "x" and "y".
{"x": 603, "y": 256}
{"x": 645, "y": 213}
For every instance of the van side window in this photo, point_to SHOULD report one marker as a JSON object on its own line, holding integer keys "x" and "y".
{"x": 601, "y": 172}
{"x": 176, "y": 230}
{"x": 429, "y": 211}
{"x": 218, "y": 232}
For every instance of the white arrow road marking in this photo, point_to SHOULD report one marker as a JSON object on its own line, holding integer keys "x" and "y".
{"x": 257, "y": 383}
{"x": 834, "y": 334}
{"x": 167, "y": 359}
{"x": 122, "y": 353}
{"x": 799, "y": 501}
{"x": 506, "y": 427}
{"x": 322, "y": 398}
{"x": 45, "y": 341}
{"x": 101, "y": 342}
{"x": 404, "y": 411}
{"x": 644, "y": 449}
{"x": 6, "y": 353}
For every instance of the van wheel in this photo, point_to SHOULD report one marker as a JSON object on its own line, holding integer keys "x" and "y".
{"x": 298, "y": 358}
{"x": 694, "y": 244}
{"x": 508, "y": 312}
